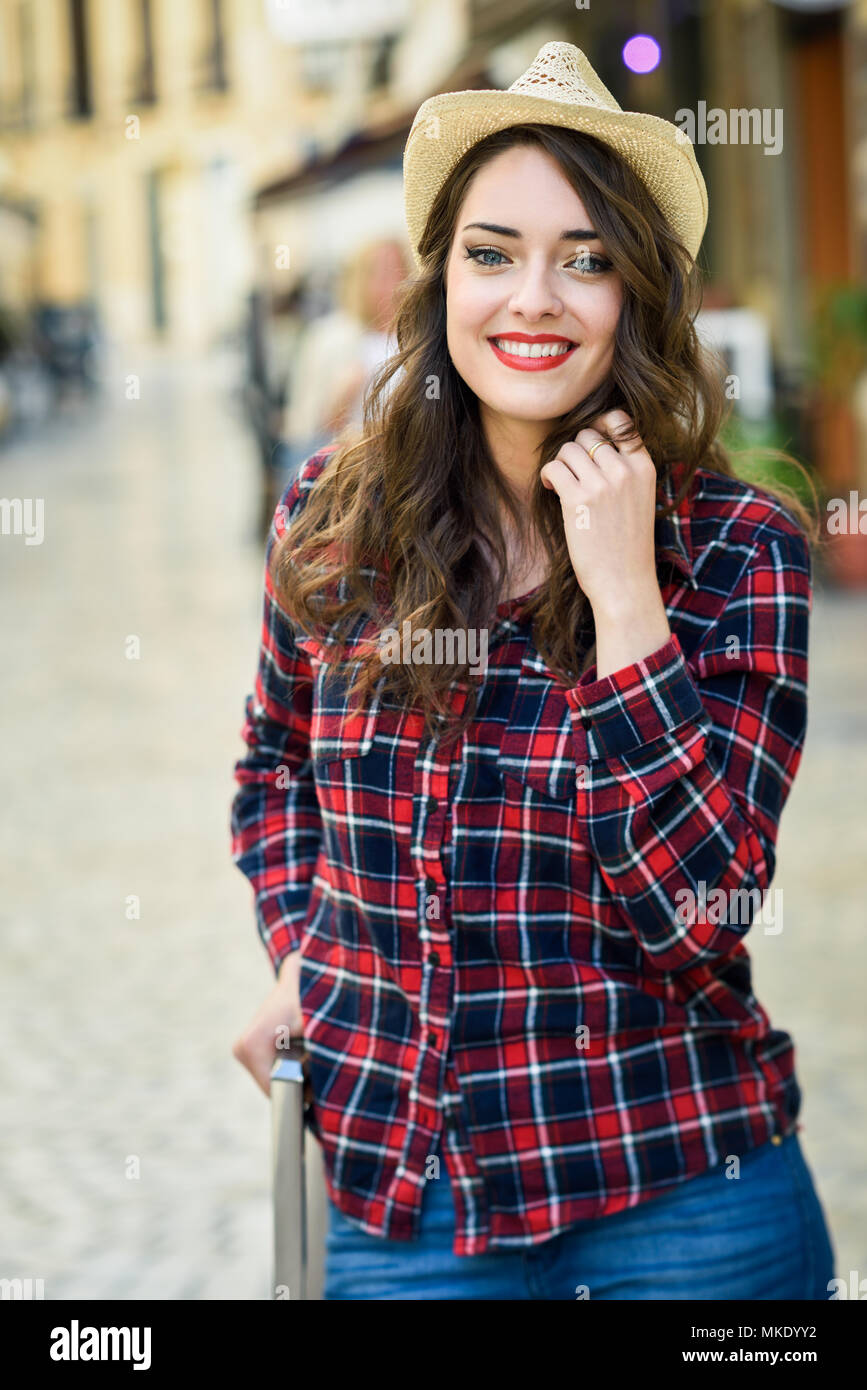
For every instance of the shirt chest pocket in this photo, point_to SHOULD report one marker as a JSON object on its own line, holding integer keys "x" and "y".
{"x": 340, "y": 731}
{"x": 538, "y": 749}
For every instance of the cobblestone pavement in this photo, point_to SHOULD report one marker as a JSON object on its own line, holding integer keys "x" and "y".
{"x": 115, "y": 1033}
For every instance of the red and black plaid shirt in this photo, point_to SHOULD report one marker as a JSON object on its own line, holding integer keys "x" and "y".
{"x": 494, "y": 939}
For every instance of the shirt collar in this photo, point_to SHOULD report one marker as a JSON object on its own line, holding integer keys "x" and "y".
{"x": 673, "y": 532}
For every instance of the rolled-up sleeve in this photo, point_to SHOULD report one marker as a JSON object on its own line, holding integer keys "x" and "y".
{"x": 276, "y": 827}
{"x": 689, "y": 764}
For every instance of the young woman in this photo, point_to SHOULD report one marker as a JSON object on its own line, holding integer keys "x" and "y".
{"x": 530, "y": 699}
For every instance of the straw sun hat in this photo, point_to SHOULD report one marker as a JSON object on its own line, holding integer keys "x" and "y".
{"x": 559, "y": 88}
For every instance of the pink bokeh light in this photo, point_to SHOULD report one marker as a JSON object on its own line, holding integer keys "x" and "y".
{"x": 641, "y": 53}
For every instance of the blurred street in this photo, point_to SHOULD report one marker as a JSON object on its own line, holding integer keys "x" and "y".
{"x": 115, "y": 1032}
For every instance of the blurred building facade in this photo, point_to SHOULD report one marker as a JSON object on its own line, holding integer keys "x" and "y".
{"x": 165, "y": 159}
{"x": 132, "y": 134}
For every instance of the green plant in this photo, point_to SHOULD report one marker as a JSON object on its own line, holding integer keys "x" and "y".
{"x": 758, "y": 452}
{"x": 837, "y": 342}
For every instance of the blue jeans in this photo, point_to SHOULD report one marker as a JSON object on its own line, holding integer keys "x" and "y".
{"x": 760, "y": 1236}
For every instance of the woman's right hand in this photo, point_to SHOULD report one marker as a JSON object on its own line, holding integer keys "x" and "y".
{"x": 277, "y": 1020}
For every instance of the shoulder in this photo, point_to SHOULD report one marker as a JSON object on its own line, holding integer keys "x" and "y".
{"x": 296, "y": 492}
{"x": 735, "y": 525}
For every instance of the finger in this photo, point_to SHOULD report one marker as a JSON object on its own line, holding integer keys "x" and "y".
{"x": 606, "y": 458}
{"x": 573, "y": 498}
{"x": 629, "y": 445}
{"x": 579, "y": 462}
{"x": 562, "y": 480}
{"x": 621, "y": 428}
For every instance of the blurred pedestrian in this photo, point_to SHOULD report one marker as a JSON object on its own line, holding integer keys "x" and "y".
{"x": 339, "y": 352}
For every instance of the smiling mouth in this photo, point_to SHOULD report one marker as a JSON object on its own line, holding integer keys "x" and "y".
{"x": 531, "y": 357}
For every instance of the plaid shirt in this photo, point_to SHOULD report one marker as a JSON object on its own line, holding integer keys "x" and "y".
{"x": 496, "y": 940}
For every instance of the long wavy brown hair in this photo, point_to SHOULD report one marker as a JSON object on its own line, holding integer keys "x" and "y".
{"x": 402, "y": 502}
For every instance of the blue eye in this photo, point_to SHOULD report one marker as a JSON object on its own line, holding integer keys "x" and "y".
{"x": 600, "y": 263}
{"x": 475, "y": 253}
{"x": 592, "y": 265}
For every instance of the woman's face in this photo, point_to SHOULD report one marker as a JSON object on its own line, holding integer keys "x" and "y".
{"x": 541, "y": 272}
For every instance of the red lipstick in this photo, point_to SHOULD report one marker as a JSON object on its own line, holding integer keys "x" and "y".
{"x": 531, "y": 364}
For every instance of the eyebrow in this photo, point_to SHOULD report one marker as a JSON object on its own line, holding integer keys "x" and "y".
{"x": 575, "y": 234}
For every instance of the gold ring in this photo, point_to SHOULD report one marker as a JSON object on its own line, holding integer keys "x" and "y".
{"x": 593, "y": 447}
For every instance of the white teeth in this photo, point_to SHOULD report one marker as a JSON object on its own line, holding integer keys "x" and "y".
{"x": 531, "y": 349}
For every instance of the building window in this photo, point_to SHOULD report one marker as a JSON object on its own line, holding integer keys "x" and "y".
{"x": 155, "y": 212}
{"x": 320, "y": 65}
{"x": 381, "y": 66}
{"x": 212, "y": 67}
{"x": 23, "y": 106}
{"x": 144, "y": 87}
{"x": 80, "y": 101}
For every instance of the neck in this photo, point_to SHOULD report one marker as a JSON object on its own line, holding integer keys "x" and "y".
{"x": 514, "y": 446}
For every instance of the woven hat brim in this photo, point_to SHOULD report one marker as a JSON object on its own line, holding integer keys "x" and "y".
{"x": 655, "y": 149}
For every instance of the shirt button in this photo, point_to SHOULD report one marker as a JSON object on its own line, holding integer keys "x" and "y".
{"x": 432, "y": 805}
{"x": 776, "y": 1138}
{"x": 432, "y": 1039}
{"x": 430, "y": 884}
{"x": 452, "y": 1121}
{"x": 433, "y": 958}
{"x": 586, "y": 721}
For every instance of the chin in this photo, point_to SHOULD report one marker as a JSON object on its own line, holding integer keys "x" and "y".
{"x": 551, "y": 408}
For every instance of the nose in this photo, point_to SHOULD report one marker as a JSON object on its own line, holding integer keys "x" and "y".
{"x": 534, "y": 295}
